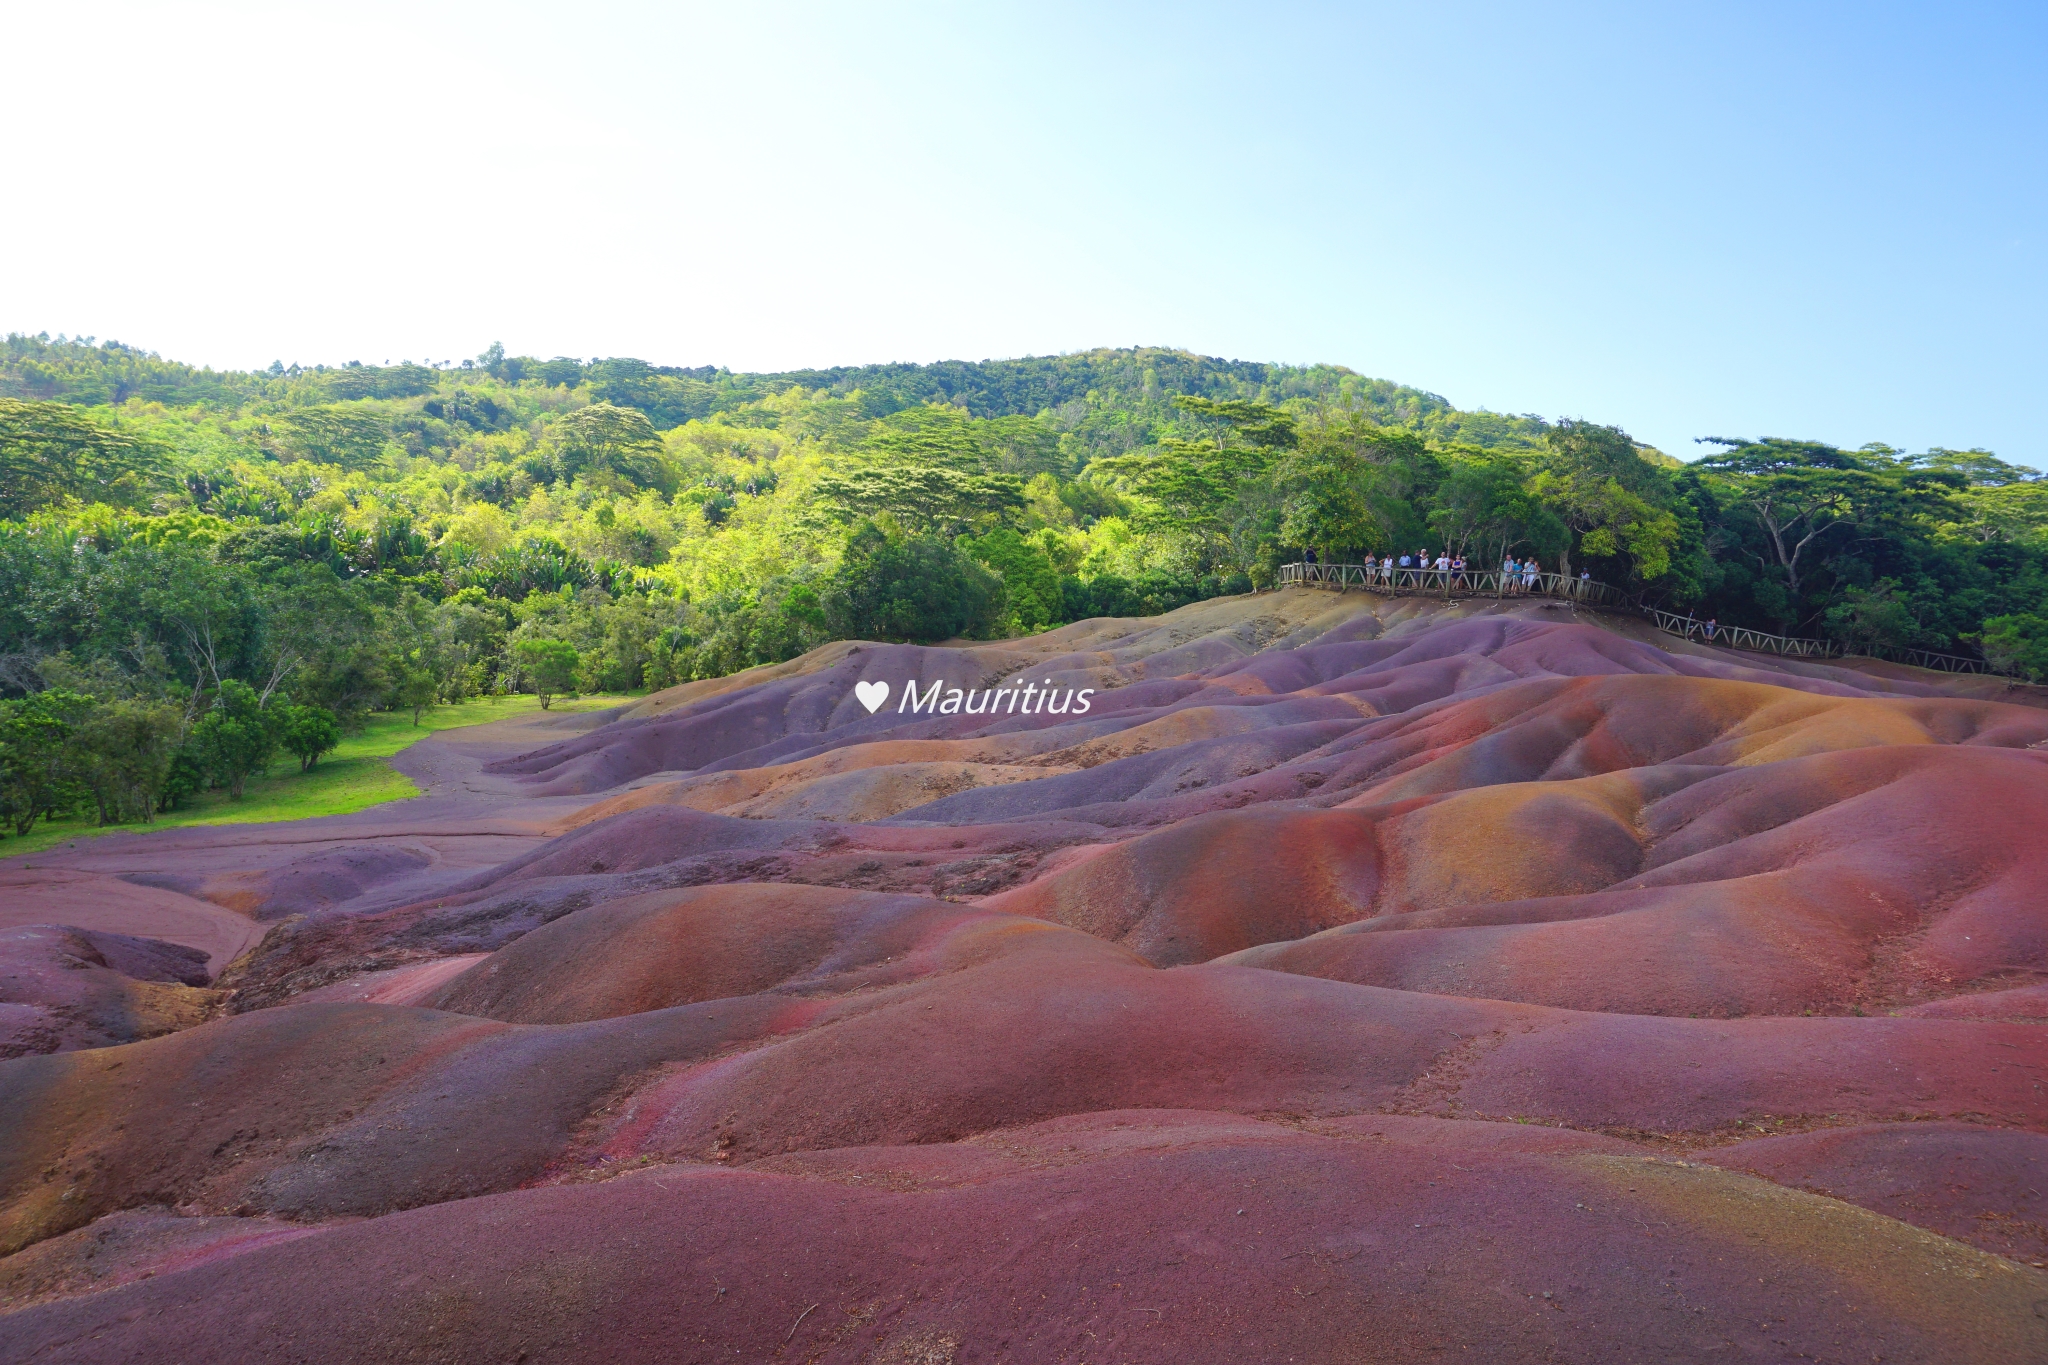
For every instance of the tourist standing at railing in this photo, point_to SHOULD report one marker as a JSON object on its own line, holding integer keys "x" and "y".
{"x": 1387, "y": 570}
{"x": 1713, "y": 624}
{"x": 1458, "y": 570}
{"x": 1531, "y": 572}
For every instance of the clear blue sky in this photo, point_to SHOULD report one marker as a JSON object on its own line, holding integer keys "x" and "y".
{"x": 1813, "y": 221}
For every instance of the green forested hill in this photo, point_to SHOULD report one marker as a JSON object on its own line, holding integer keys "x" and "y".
{"x": 1125, "y": 394}
{"x": 1070, "y": 390}
{"x": 215, "y": 565}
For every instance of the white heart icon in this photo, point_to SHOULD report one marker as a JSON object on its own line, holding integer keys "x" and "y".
{"x": 872, "y": 695}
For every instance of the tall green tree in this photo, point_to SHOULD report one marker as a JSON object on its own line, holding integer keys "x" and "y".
{"x": 208, "y": 612}
{"x": 2018, "y": 643}
{"x": 235, "y": 737}
{"x": 607, "y": 442}
{"x": 307, "y": 732}
{"x": 123, "y": 751}
{"x": 1615, "y": 502}
{"x": 1803, "y": 495}
{"x": 468, "y": 636}
{"x": 38, "y": 768}
{"x": 942, "y": 499}
{"x": 1031, "y": 585}
{"x": 1485, "y": 508}
{"x": 1331, "y": 500}
{"x": 1204, "y": 486}
{"x": 338, "y": 434}
{"x": 892, "y": 586}
{"x": 51, "y": 451}
{"x": 925, "y": 467}
{"x": 549, "y": 667}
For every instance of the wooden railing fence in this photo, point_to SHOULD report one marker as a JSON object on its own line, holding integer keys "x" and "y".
{"x": 1453, "y": 583}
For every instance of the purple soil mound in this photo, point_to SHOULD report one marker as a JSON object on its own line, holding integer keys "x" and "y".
{"x": 309, "y": 884}
{"x": 1392, "y": 980}
{"x": 63, "y": 988}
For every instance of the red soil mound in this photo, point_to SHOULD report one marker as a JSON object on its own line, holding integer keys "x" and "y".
{"x": 668, "y": 948}
{"x": 1014, "y": 1022}
{"x": 1315, "y": 869}
{"x": 1191, "y": 1239}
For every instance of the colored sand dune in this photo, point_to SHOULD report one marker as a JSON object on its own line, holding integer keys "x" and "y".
{"x": 1356, "y": 979}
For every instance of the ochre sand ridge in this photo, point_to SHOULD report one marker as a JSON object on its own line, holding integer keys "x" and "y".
{"x": 1358, "y": 979}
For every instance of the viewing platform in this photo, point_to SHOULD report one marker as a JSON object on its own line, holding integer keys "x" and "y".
{"x": 1453, "y": 584}
{"x": 1449, "y": 582}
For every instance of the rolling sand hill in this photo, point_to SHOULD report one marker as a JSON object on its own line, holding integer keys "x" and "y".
{"x": 1355, "y": 980}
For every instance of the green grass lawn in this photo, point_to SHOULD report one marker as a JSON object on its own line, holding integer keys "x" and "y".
{"x": 352, "y": 777}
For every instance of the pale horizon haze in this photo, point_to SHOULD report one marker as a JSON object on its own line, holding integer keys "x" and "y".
{"x": 1815, "y": 221}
